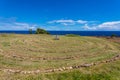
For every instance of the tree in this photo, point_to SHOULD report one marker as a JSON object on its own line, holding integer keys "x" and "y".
{"x": 41, "y": 31}
{"x": 113, "y": 35}
{"x": 30, "y": 31}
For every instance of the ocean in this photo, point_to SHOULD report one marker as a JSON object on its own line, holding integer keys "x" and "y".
{"x": 81, "y": 33}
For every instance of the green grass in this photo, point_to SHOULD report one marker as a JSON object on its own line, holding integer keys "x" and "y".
{"x": 71, "y": 35}
{"x": 108, "y": 71}
{"x": 32, "y": 52}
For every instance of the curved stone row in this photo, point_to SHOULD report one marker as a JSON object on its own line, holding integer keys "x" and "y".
{"x": 40, "y": 58}
{"x": 45, "y": 58}
{"x": 60, "y": 69}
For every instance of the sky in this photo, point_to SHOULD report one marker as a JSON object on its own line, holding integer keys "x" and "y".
{"x": 65, "y": 15}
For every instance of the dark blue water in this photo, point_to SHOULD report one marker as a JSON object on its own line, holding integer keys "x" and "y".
{"x": 87, "y": 33}
{"x": 82, "y": 33}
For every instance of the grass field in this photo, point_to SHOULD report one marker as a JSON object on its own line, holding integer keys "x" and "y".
{"x": 33, "y": 52}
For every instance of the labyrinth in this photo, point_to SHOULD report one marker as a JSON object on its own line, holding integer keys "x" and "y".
{"x": 42, "y": 52}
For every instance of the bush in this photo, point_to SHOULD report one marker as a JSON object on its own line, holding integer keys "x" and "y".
{"x": 30, "y": 31}
{"x": 4, "y": 35}
{"x": 72, "y": 35}
{"x": 41, "y": 31}
{"x": 113, "y": 35}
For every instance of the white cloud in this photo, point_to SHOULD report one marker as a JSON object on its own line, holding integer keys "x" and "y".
{"x": 16, "y": 26}
{"x": 12, "y": 24}
{"x": 86, "y": 27}
{"x": 68, "y": 22}
{"x": 61, "y": 21}
{"x": 8, "y": 24}
{"x": 81, "y": 21}
{"x": 108, "y": 26}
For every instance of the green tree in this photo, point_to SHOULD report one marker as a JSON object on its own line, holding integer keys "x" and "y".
{"x": 41, "y": 31}
{"x": 113, "y": 35}
{"x": 30, "y": 31}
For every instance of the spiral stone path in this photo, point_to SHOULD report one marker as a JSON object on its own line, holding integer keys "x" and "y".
{"x": 13, "y": 71}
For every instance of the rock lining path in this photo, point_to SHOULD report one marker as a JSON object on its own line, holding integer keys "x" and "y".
{"x": 117, "y": 57}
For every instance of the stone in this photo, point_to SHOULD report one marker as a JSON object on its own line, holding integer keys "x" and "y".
{"x": 1, "y": 50}
{"x": 86, "y": 65}
{"x": 60, "y": 69}
{"x": 63, "y": 68}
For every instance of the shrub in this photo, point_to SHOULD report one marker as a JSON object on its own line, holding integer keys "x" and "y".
{"x": 4, "y": 35}
{"x": 72, "y": 35}
{"x": 30, "y": 31}
{"x": 113, "y": 35}
{"x": 41, "y": 31}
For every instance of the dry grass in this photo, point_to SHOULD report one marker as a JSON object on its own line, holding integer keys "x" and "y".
{"x": 31, "y": 52}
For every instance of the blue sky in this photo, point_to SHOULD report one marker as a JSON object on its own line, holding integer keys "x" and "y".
{"x": 78, "y": 15}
